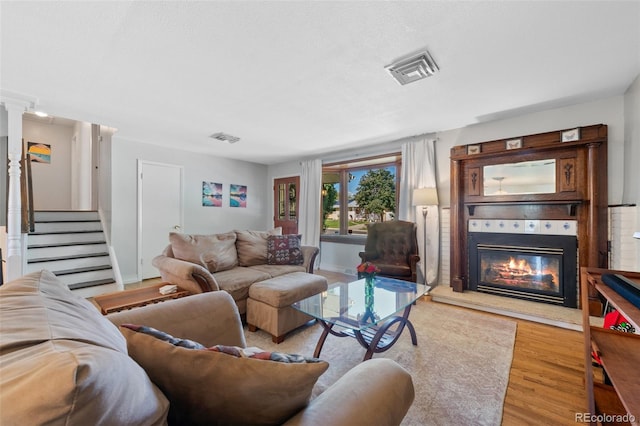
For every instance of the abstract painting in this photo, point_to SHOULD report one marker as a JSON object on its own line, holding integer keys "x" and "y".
{"x": 237, "y": 195}
{"x": 211, "y": 194}
{"x": 39, "y": 152}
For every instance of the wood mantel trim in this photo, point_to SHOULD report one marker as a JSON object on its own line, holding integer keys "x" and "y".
{"x": 596, "y": 133}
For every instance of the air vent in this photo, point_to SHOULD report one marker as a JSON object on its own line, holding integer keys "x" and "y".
{"x": 413, "y": 68}
{"x": 224, "y": 137}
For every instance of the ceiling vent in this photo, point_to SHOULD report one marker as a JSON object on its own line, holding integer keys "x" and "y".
{"x": 413, "y": 68}
{"x": 223, "y": 137}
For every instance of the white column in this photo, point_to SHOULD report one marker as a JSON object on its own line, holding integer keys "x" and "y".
{"x": 15, "y": 104}
{"x": 14, "y": 152}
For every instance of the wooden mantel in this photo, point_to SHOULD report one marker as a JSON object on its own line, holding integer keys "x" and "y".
{"x": 580, "y": 193}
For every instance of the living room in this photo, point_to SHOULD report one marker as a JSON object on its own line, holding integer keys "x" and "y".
{"x": 616, "y": 105}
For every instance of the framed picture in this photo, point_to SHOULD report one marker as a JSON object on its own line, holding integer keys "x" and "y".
{"x": 39, "y": 152}
{"x": 211, "y": 194}
{"x": 571, "y": 135}
{"x": 473, "y": 149}
{"x": 513, "y": 143}
{"x": 237, "y": 195}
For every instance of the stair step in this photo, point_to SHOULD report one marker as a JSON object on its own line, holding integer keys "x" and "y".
{"x": 64, "y": 244}
{"x": 67, "y": 250}
{"x": 79, "y": 276}
{"x": 91, "y": 284}
{"x": 65, "y": 215}
{"x": 67, "y": 226}
{"x": 68, "y": 263}
{"x": 77, "y": 256}
{"x": 79, "y": 270}
{"x": 65, "y": 237}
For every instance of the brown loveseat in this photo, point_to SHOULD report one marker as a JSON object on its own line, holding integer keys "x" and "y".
{"x": 64, "y": 363}
{"x": 231, "y": 261}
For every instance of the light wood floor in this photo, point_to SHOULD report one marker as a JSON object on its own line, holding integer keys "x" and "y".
{"x": 546, "y": 382}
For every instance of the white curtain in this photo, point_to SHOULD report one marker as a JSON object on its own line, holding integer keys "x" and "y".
{"x": 419, "y": 171}
{"x": 310, "y": 199}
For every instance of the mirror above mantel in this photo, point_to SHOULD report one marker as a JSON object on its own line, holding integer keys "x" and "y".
{"x": 526, "y": 177}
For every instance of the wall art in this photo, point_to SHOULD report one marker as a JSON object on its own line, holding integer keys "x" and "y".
{"x": 211, "y": 194}
{"x": 473, "y": 149}
{"x": 237, "y": 195}
{"x": 571, "y": 135}
{"x": 513, "y": 143}
{"x": 39, "y": 152}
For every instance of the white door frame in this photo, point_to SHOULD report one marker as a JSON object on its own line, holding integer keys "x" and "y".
{"x": 141, "y": 163}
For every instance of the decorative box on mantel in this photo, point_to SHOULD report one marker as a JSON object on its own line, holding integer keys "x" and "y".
{"x": 551, "y": 178}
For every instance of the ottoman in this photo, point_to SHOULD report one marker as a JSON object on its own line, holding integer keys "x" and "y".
{"x": 269, "y": 303}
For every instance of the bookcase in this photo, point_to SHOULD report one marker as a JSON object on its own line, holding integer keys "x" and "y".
{"x": 619, "y": 353}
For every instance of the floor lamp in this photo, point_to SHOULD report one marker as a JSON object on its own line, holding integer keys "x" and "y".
{"x": 425, "y": 197}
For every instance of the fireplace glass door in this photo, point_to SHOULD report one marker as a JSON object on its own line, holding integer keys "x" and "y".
{"x": 533, "y": 271}
{"x": 540, "y": 268}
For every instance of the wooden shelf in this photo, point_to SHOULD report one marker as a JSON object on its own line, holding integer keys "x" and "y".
{"x": 620, "y": 356}
{"x": 619, "y": 352}
{"x": 631, "y": 313}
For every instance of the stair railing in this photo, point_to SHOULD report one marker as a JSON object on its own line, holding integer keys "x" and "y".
{"x": 26, "y": 194}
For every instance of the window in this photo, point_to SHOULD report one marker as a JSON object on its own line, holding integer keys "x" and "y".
{"x": 355, "y": 193}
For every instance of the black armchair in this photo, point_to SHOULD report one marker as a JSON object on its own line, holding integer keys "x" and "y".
{"x": 393, "y": 247}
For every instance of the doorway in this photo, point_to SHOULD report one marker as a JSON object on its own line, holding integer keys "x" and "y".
{"x": 160, "y": 211}
{"x": 286, "y": 196}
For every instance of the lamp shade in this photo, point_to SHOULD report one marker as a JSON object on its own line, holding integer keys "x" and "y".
{"x": 425, "y": 197}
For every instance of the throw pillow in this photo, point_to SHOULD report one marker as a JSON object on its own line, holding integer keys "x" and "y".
{"x": 165, "y": 337}
{"x": 251, "y": 352}
{"x": 207, "y": 386}
{"x": 215, "y": 252}
{"x": 252, "y": 246}
{"x": 284, "y": 250}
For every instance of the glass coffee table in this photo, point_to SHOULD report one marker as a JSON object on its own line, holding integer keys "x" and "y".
{"x": 374, "y": 316}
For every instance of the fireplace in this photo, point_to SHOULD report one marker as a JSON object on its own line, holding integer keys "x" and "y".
{"x": 541, "y": 268}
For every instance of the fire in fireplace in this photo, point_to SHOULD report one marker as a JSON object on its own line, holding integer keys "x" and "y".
{"x": 539, "y": 268}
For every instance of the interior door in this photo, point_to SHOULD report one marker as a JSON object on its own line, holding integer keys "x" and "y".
{"x": 286, "y": 193}
{"x": 159, "y": 211}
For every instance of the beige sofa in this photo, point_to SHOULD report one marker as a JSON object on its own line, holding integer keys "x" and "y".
{"x": 230, "y": 261}
{"x": 64, "y": 363}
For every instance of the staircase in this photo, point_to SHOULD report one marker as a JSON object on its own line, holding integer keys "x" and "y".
{"x": 72, "y": 245}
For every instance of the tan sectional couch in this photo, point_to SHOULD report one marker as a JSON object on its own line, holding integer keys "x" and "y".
{"x": 231, "y": 261}
{"x": 64, "y": 363}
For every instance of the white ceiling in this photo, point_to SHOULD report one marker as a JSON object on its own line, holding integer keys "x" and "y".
{"x": 296, "y": 79}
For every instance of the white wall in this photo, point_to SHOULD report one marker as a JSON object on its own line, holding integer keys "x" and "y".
{"x": 51, "y": 182}
{"x": 197, "y": 219}
{"x": 609, "y": 111}
{"x": 105, "y": 172}
{"x": 4, "y": 147}
{"x": 632, "y": 156}
{"x": 632, "y": 144}
{"x": 81, "y": 166}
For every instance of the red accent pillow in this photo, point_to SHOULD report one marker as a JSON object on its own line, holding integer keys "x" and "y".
{"x": 284, "y": 250}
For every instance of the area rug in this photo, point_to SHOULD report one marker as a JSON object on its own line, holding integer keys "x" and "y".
{"x": 460, "y": 367}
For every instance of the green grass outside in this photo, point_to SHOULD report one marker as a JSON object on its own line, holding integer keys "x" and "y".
{"x": 330, "y": 223}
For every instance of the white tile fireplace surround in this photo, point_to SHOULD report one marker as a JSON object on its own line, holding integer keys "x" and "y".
{"x": 525, "y": 226}
{"x": 533, "y": 260}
